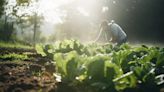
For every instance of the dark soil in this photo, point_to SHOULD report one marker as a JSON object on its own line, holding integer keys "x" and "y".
{"x": 33, "y": 75}
{"x": 4, "y": 50}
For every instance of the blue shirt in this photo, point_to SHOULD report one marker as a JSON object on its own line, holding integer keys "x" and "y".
{"x": 115, "y": 32}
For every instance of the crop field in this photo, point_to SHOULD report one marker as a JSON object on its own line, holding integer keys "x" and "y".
{"x": 81, "y": 46}
{"x": 70, "y": 66}
{"x": 106, "y": 68}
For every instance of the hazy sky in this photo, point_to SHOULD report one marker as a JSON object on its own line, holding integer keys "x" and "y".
{"x": 141, "y": 19}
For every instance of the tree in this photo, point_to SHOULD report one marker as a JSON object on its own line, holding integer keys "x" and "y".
{"x": 2, "y": 3}
{"x": 32, "y": 19}
{"x": 7, "y": 27}
{"x": 35, "y": 21}
{"x": 21, "y": 18}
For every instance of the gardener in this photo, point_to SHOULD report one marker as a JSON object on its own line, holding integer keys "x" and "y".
{"x": 112, "y": 32}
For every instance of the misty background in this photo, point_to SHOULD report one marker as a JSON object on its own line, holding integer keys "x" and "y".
{"x": 49, "y": 21}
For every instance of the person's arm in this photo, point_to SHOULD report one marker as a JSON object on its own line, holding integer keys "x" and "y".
{"x": 106, "y": 37}
{"x": 108, "y": 33}
{"x": 99, "y": 35}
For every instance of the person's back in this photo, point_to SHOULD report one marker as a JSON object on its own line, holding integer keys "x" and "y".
{"x": 118, "y": 35}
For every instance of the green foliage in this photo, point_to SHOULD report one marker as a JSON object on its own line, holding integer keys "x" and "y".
{"x": 39, "y": 49}
{"x": 160, "y": 59}
{"x": 2, "y": 2}
{"x": 70, "y": 66}
{"x": 13, "y": 57}
{"x": 106, "y": 68}
{"x": 14, "y": 45}
{"x": 20, "y": 2}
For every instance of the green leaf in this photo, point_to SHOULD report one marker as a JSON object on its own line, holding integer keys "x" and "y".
{"x": 160, "y": 60}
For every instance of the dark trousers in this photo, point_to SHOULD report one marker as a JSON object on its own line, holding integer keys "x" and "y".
{"x": 120, "y": 42}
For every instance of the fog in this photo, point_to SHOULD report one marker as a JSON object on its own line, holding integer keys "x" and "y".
{"x": 142, "y": 20}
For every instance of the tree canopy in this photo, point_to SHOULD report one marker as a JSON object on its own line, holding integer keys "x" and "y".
{"x": 2, "y": 2}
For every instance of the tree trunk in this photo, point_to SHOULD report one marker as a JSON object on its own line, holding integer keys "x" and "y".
{"x": 5, "y": 28}
{"x": 5, "y": 23}
{"x": 35, "y": 28}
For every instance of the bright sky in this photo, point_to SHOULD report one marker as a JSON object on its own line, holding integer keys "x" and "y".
{"x": 53, "y": 15}
{"x": 49, "y": 9}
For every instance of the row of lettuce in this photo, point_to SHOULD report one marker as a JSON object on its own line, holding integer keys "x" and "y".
{"x": 106, "y": 68}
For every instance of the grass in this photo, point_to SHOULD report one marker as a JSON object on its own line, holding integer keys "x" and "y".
{"x": 14, "y": 45}
{"x": 13, "y": 57}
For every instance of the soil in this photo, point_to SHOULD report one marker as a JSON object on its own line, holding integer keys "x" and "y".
{"x": 32, "y": 75}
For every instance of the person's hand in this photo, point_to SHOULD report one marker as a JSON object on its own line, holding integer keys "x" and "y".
{"x": 107, "y": 44}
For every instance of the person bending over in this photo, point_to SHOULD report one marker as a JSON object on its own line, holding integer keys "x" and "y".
{"x": 113, "y": 33}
